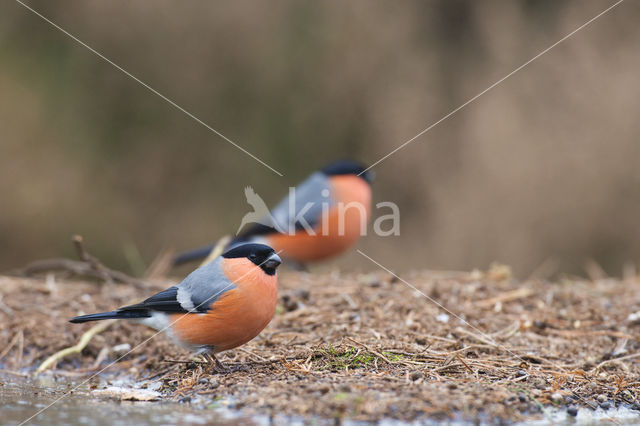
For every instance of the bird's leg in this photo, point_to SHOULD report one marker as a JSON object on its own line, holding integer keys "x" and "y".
{"x": 214, "y": 363}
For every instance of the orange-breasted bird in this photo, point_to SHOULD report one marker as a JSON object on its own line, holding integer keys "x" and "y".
{"x": 325, "y": 215}
{"x": 217, "y": 307}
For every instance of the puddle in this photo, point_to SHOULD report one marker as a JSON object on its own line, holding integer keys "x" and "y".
{"x": 21, "y": 398}
{"x": 619, "y": 416}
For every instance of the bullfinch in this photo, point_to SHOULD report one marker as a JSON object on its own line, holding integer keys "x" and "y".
{"x": 217, "y": 307}
{"x": 325, "y": 215}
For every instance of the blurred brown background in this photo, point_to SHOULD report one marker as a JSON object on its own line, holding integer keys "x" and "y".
{"x": 542, "y": 169}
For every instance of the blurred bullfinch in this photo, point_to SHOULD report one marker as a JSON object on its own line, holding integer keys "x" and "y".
{"x": 217, "y": 307}
{"x": 334, "y": 203}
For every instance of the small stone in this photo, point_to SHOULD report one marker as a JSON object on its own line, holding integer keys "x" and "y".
{"x": 568, "y": 400}
{"x": 522, "y": 373}
{"x": 125, "y": 347}
{"x": 302, "y": 293}
{"x": 288, "y": 303}
{"x": 154, "y": 386}
{"x": 203, "y": 381}
{"x": 605, "y": 405}
{"x": 601, "y": 398}
{"x": 127, "y": 394}
{"x": 522, "y": 398}
{"x": 374, "y": 283}
{"x": 415, "y": 375}
{"x": 557, "y": 398}
{"x": 539, "y": 324}
{"x": 539, "y": 383}
{"x": 572, "y": 411}
{"x": 444, "y": 318}
{"x": 421, "y": 341}
{"x": 636, "y": 406}
{"x": 185, "y": 400}
{"x": 324, "y": 389}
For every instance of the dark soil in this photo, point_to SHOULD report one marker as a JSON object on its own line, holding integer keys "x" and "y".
{"x": 366, "y": 346}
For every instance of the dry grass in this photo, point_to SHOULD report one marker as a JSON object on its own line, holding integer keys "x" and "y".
{"x": 365, "y": 346}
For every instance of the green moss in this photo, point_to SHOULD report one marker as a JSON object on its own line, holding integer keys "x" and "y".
{"x": 393, "y": 357}
{"x": 336, "y": 359}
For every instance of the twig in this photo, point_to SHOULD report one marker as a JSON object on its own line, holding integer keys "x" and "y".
{"x": 543, "y": 271}
{"x": 217, "y": 250}
{"x": 622, "y": 358}
{"x": 102, "y": 355}
{"x": 160, "y": 266}
{"x": 248, "y": 352}
{"x": 88, "y": 266}
{"x": 446, "y": 367}
{"x": 479, "y": 338}
{"x": 594, "y": 270}
{"x": 20, "y": 348}
{"x": 180, "y": 361}
{"x": 588, "y": 333}
{"x": 92, "y": 261}
{"x": 7, "y": 310}
{"x": 76, "y": 267}
{"x": 14, "y": 373}
{"x": 464, "y": 363}
{"x": 11, "y": 344}
{"x": 373, "y": 351}
{"x": 509, "y": 296}
{"x": 77, "y": 348}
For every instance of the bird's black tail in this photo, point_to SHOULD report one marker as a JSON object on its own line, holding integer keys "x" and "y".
{"x": 190, "y": 256}
{"x": 112, "y": 315}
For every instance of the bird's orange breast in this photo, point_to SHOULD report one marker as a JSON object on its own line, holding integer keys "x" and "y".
{"x": 238, "y": 315}
{"x": 339, "y": 230}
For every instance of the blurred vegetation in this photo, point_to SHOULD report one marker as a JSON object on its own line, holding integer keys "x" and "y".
{"x": 542, "y": 168}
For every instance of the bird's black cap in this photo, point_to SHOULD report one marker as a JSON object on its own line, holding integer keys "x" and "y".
{"x": 348, "y": 167}
{"x": 262, "y": 255}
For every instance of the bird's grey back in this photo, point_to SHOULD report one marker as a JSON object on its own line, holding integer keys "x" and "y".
{"x": 204, "y": 286}
{"x": 309, "y": 191}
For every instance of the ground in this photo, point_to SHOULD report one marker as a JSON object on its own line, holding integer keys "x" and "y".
{"x": 365, "y": 346}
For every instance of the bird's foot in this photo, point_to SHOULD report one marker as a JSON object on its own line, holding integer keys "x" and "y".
{"x": 215, "y": 365}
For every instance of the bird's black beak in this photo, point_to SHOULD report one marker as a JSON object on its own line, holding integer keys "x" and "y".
{"x": 273, "y": 261}
{"x": 270, "y": 265}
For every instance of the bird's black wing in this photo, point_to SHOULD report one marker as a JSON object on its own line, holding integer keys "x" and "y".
{"x": 165, "y": 301}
